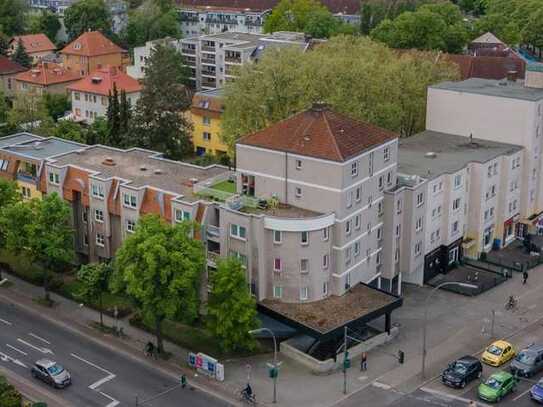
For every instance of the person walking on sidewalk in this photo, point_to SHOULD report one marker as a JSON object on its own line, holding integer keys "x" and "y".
{"x": 364, "y": 362}
{"x": 524, "y": 277}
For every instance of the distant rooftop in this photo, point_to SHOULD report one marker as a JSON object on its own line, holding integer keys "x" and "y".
{"x": 430, "y": 154}
{"x": 17, "y": 138}
{"x": 491, "y": 87}
{"x": 141, "y": 168}
{"x": 488, "y": 38}
{"x": 42, "y": 148}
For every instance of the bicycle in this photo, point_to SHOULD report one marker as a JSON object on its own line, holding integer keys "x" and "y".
{"x": 246, "y": 397}
{"x": 511, "y": 304}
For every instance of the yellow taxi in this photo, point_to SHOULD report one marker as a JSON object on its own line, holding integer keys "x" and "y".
{"x": 498, "y": 353}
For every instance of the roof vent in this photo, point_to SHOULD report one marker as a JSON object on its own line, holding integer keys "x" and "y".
{"x": 430, "y": 154}
{"x": 143, "y": 168}
{"x": 109, "y": 161}
{"x": 96, "y": 79}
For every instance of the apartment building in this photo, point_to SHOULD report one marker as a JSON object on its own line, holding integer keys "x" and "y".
{"x": 45, "y": 77}
{"x": 8, "y": 71}
{"x": 206, "y": 115}
{"x": 508, "y": 111}
{"x": 37, "y": 46}
{"x": 90, "y": 95}
{"x": 455, "y": 196}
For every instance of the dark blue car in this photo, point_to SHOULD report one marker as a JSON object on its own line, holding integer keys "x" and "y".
{"x": 536, "y": 392}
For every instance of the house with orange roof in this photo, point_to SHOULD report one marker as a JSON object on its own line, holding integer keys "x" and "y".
{"x": 45, "y": 77}
{"x": 90, "y": 95}
{"x": 91, "y": 51}
{"x": 8, "y": 70}
{"x": 37, "y": 46}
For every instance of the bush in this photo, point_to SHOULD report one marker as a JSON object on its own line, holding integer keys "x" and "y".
{"x": 9, "y": 396}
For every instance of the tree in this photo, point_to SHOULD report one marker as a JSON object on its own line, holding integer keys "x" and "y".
{"x": 28, "y": 111}
{"x": 232, "y": 308}
{"x": 354, "y": 75}
{"x": 9, "y": 396}
{"x": 12, "y": 16}
{"x": 533, "y": 31}
{"x": 94, "y": 279}
{"x": 87, "y": 15}
{"x": 9, "y": 195}
{"x": 159, "y": 266}
{"x": 3, "y": 108}
{"x": 372, "y": 12}
{"x": 20, "y": 56}
{"x": 125, "y": 117}
{"x": 113, "y": 119}
{"x": 56, "y": 104}
{"x": 40, "y": 228}
{"x": 4, "y": 44}
{"x": 158, "y": 121}
{"x": 69, "y": 130}
{"x": 45, "y": 22}
{"x": 97, "y": 132}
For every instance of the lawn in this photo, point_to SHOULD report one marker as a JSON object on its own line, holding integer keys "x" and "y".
{"x": 225, "y": 186}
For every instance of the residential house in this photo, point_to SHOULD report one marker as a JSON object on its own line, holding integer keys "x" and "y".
{"x": 8, "y": 71}
{"x": 91, "y": 51}
{"x": 37, "y": 46}
{"x": 45, "y": 77}
{"x": 89, "y": 95}
{"x": 206, "y": 115}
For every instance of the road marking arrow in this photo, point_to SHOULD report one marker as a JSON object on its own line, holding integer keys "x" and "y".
{"x": 6, "y": 358}
{"x": 39, "y": 349}
{"x": 5, "y": 322}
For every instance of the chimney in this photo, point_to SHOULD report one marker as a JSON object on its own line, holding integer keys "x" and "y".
{"x": 534, "y": 76}
{"x": 511, "y": 76}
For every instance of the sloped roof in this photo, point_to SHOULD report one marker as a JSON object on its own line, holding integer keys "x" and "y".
{"x": 91, "y": 44}
{"x": 210, "y": 100}
{"x": 487, "y": 67}
{"x": 335, "y": 6}
{"x": 101, "y": 82}
{"x": 7, "y": 66}
{"x": 320, "y": 133}
{"x": 487, "y": 38}
{"x": 47, "y": 73}
{"x": 33, "y": 43}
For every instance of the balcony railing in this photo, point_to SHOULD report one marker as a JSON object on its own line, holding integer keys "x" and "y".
{"x": 233, "y": 60}
{"x": 207, "y": 48}
{"x": 189, "y": 51}
{"x": 213, "y": 257}
{"x": 209, "y": 73}
{"x": 214, "y": 231}
{"x": 210, "y": 61}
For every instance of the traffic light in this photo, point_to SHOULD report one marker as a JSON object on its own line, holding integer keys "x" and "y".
{"x": 401, "y": 357}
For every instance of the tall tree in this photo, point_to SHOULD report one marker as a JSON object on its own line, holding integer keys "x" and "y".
{"x": 232, "y": 308}
{"x": 4, "y": 44}
{"x": 158, "y": 120}
{"x": 94, "y": 279}
{"x": 28, "y": 111}
{"x": 113, "y": 119}
{"x": 12, "y": 16}
{"x": 9, "y": 195}
{"x": 69, "y": 130}
{"x": 97, "y": 132}
{"x": 86, "y": 15}
{"x": 20, "y": 56}
{"x": 125, "y": 116}
{"x": 56, "y": 104}
{"x": 3, "y": 108}
{"x": 159, "y": 266}
{"x": 45, "y": 22}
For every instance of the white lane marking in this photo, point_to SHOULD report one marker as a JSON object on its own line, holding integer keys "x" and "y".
{"x": 42, "y": 350}
{"x": 39, "y": 338}
{"x": 522, "y": 394}
{"x": 113, "y": 401}
{"x": 380, "y": 385}
{"x": 450, "y": 396}
{"x": 16, "y": 350}
{"x": 6, "y": 358}
{"x": 5, "y": 322}
{"x": 93, "y": 386}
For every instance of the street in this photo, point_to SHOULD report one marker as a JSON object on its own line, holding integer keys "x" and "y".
{"x": 101, "y": 377}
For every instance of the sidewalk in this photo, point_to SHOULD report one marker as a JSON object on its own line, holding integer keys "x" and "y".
{"x": 458, "y": 325}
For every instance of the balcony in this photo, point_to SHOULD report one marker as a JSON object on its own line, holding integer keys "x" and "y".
{"x": 26, "y": 177}
{"x": 209, "y": 83}
{"x": 189, "y": 51}
{"x": 208, "y": 72}
{"x": 212, "y": 258}
{"x": 208, "y": 61}
{"x": 232, "y": 59}
{"x": 189, "y": 18}
{"x": 207, "y": 48}
{"x": 213, "y": 233}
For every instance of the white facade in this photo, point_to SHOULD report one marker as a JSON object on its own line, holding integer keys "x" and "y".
{"x": 86, "y": 106}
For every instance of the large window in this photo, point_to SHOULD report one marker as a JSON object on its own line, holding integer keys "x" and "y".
{"x": 238, "y": 232}
{"x": 181, "y": 215}
{"x": 4, "y": 165}
{"x": 97, "y": 191}
{"x": 304, "y": 293}
{"x": 100, "y": 240}
{"x": 277, "y": 237}
{"x": 54, "y": 178}
{"x": 130, "y": 200}
{"x": 304, "y": 238}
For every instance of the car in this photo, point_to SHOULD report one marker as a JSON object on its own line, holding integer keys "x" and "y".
{"x": 497, "y": 386}
{"x": 528, "y": 362}
{"x": 498, "y": 353}
{"x": 462, "y": 371}
{"x": 51, "y": 373}
{"x": 536, "y": 392}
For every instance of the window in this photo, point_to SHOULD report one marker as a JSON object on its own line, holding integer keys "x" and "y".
{"x": 358, "y": 194}
{"x": 97, "y": 191}
{"x": 347, "y": 256}
{"x": 379, "y": 233}
{"x": 304, "y": 238}
{"x": 325, "y": 261}
{"x": 54, "y": 178}
{"x": 325, "y": 288}
{"x": 206, "y": 120}
{"x": 99, "y": 215}
{"x": 456, "y": 204}
{"x": 181, "y": 215}
{"x": 277, "y": 264}
{"x": 26, "y": 193}
{"x": 349, "y": 199}
{"x": 130, "y": 200}
{"x": 354, "y": 169}
{"x": 495, "y": 168}
{"x": 418, "y": 225}
{"x": 420, "y": 199}
{"x": 325, "y": 234}
{"x": 356, "y": 250}
{"x": 298, "y": 192}
{"x": 130, "y": 226}
{"x": 418, "y": 249}
{"x": 4, "y": 165}
{"x": 357, "y": 222}
{"x": 399, "y": 206}
{"x": 84, "y": 215}
{"x": 380, "y": 183}
{"x": 491, "y": 212}
{"x": 304, "y": 266}
{"x": 378, "y": 259}
{"x": 386, "y": 154}
{"x": 380, "y": 208}
{"x": 85, "y": 239}
{"x": 457, "y": 180}
{"x": 206, "y": 136}
{"x": 455, "y": 227}
{"x": 348, "y": 227}
{"x": 277, "y": 236}
{"x": 398, "y": 230}
{"x": 396, "y": 255}
{"x": 100, "y": 240}
{"x": 77, "y": 96}
{"x": 277, "y": 291}
{"x": 304, "y": 293}
{"x": 241, "y": 257}
{"x": 389, "y": 178}
{"x": 298, "y": 164}
{"x": 238, "y": 232}
{"x": 103, "y": 99}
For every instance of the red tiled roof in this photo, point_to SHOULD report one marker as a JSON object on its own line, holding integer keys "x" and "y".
{"x": 335, "y": 6}
{"x": 47, "y": 73}
{"x": 101, "y": 82}
{"x": 320, "y": 133}
{"x": 91, "y": 44}
{"x": 7, "y": 66}
{"x": 487, "y": 67}
{"x": 35, "y": 43}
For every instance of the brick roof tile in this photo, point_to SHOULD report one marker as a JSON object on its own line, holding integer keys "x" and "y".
{"x": 101, "y": 82}
{"x": 91, "y": 44}
{"x": 33, "y": 43}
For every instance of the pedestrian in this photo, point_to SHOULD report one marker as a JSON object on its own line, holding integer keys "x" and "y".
{"x": 364, "y": 362}
{"x": 472, "y": 404}
{"x": 524, "y": 277}
{"x": 183, "y": 381}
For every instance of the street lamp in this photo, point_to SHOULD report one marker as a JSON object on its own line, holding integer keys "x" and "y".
{"x": 465, "y": 285}
{"x": 276, "y": 371}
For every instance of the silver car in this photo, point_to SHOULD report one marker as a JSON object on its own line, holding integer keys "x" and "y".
{"x": 51, "y": 373}
{"x": 528, "y": 361}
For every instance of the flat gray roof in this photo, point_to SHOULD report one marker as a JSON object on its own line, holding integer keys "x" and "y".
{"x": 139, "y": 168}
{"x": 492, "y": 87}
{"x": 17, "y": 138}
{"x": 40, "y": 149}
{"x": 452, "y": 153}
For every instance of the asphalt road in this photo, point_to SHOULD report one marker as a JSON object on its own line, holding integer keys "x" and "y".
{"x": 101, "y": 377}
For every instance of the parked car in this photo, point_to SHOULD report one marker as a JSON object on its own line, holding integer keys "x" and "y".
{"x": 51, "y": 373}
{"x": 462, "y": 371}
{"x": 498, "y": 353}
{"x": 528, "y": 362}
{"x": 497, "y": 386}
{"x": 536, "y": 392}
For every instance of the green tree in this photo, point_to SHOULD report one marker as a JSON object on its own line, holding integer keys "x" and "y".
{"x": 28, "y": 112}
{"x": 56, "y": 104}
{"x": 9, "y": 195}
{"x": 4, "y": 44}
{"x": 372, "y": 12}
{"x": 533, "y": 31}
{"x": 9, "y": 396}
{"x": 20, "y": 56}
{"x": 94, "y": 279}
{"x": 69, "y": 130}
{"x": 158, "y": 121}
{"x": 97, "y": 132}
{"x": 159, "y": 266}
{"x": 125, "y": 117}
{"x": 86, "y": 15}
{"x": 12, "y": 16}
{"x": 113, "y": 119}
{"x": 45, "y": 22}
{"x": 232, "y": 308}
{"x": 3, "y": 108}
